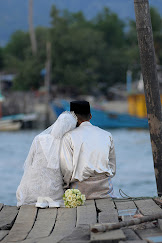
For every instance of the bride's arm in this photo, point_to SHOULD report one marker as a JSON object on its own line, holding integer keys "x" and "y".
{"x": 30, "y": 156}
{"x": 112, "y": 157}
{"x": 66, "y": 159}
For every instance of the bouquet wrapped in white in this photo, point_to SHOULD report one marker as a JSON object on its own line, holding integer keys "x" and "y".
{"x": 73, "y": 198}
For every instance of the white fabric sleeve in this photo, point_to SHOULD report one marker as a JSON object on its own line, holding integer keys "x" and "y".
{"x": 30, "y": 156}
{"x": 66, "y": 159}
{"x": 112, "y": 157}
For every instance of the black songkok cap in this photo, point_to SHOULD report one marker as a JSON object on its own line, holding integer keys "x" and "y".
{"x": 80, "y": 107}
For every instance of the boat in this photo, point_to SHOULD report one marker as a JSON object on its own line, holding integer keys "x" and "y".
{"x": 17, "y": 122}
{"x": 105, "y": 119}
{"x": 10, "y": 126}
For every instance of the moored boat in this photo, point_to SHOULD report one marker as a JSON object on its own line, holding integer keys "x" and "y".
{"x": 10, "y": 126}
{"x": 106, "y": 119}
{"x": 18, "y": 121}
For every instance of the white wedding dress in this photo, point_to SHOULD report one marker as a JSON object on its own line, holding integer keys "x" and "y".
{"x": 42, "y": 176}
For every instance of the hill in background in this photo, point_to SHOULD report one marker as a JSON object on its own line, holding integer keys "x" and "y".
{"x": 14, "y": 13}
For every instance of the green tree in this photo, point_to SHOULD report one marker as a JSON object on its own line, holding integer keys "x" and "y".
{"x": 75, "y": 48}
{"x": 111, "y": 26}
{"x": 19, "y": 59}
{"x": 28, "y": 77}
{"x": 131, "y": 38}
{"x": 85, "y": 55}
{"x": 18, "y": 45}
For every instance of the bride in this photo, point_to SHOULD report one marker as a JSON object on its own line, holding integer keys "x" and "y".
{"x": 42, "y": 176}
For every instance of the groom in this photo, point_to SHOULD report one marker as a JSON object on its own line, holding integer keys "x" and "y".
{"x": 87, "y": 156}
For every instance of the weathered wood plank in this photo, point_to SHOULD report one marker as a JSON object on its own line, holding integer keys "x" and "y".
{"x": 107, "y": 212}
{"x": 44, "y": 223}
{"x": 148, "y": 207}
{"x": 133, "y": 241}
{"x": 80, "y": 234}
{"x": 3, "y": 233}
{"x": 125, "y": 205}
{"x": 126, "y": 209}
{"x": 7, "y": 217}
{"x": 105, "y": 217}
{"x": 65, "y": 224}
{"x": 1, "y": 206}
{"x": 158, "y": 201}
{"x": 105, "y": 205}
{"x": 23, "y": 224}
{"x": 111, "y": 236}
{"x": 160, "y": 223}
{"x": 87, "y": 214}
{"x": 144, "y": 233}
{"x": 130, "y": 234}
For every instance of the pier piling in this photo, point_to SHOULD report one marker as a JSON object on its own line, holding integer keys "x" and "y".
{"x": 151, "y": 84}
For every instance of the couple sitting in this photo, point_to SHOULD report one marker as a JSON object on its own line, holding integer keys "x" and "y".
{"x": 72, "y": 153}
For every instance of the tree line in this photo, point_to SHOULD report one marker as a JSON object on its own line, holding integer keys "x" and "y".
{"x": 88, "y": 56}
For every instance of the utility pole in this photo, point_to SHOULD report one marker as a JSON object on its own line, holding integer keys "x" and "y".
{"x": 47, "y": 82}
{"x": 151, "y": 84}
{"x": 31, "y": 29}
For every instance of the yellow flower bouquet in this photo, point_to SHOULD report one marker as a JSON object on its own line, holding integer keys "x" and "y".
{"x": 73, "y": 198}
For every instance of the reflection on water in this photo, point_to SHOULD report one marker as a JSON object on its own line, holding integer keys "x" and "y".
{"x": 135, "y": 173}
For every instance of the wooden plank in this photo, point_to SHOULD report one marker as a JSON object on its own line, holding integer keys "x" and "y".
{"x": 7, "y": 217}
{"x": 145, "y": 233}
{"x": 130, "y": 234}
{"x": 23, "y": 224}
{"x": 1, "y": 206}
{"x": 160, "y": 223}
{"x": 106, "y": 211}
{"x": 105, "y": 217}
{"x": 87, "y": 214}
{"x": 126, "y": 209}
{"x": 3, "y": 233}
{"x": 158, "y": 201}
{"x": 77, "y": 241}
{"x": 105, "y": 205}
{"x": 44, "y": 223}
{"x": 133, "y": 241}
{"x": 80, "y": 234}
{"x": 111, "y": 236}
{"x": 125, "y": 205}
{"x": 148, "y": 207}
{"x": 65, "y": 224}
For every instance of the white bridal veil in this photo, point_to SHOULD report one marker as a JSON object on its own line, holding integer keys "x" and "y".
{"x": 42, "y": 176}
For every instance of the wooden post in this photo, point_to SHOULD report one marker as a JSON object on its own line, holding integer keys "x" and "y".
{"x": 47, "y": 82}
{"x": 151, "y": 85}
{"x": 113, "y": 226}
{"x": 31, "y": 29}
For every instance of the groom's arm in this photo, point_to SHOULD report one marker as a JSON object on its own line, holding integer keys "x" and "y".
{"x": 66, "y": 159}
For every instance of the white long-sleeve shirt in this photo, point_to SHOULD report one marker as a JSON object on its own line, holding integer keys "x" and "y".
{"x": 86, "y": 151}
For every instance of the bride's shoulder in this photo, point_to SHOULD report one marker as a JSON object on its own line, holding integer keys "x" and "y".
{"x": 36, "y": 139}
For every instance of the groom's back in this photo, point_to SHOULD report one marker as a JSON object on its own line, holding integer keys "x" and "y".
{"x": 91, "y": 146}
{"x": 91, "y": 137}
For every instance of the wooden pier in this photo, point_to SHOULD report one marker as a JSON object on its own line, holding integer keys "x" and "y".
{"x": 29, "y": 224}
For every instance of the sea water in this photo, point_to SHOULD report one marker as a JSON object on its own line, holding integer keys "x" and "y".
{"x": 134, "y": 174}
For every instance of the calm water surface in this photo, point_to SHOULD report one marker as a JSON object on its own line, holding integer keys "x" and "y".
{"x": 135, "y": 173}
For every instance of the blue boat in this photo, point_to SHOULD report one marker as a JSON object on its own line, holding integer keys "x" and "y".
{"x": 105, "y": 119}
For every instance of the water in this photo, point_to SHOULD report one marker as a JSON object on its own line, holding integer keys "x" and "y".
{"x": 135, "y": 173}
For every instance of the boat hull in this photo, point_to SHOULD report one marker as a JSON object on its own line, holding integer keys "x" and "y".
{"x": 105, "y": 119}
